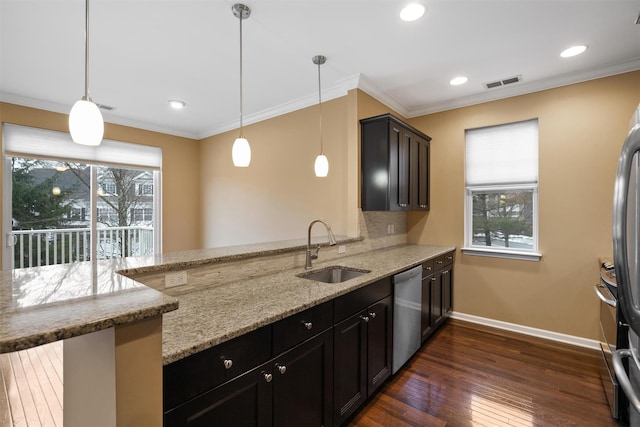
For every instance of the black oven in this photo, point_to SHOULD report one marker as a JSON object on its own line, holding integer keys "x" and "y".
{"x": 613, "y": 335}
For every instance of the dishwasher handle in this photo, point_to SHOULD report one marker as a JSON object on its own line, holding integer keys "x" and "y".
{"x": 408, "y": 274}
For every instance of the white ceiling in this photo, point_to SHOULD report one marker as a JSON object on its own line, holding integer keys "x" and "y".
{"x": 144, "y": 52}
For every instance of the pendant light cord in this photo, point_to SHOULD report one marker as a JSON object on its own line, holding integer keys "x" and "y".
{"x": 241, "y": 107}
{"x": 86, "y": 50}
{"x": 320, "y": 106}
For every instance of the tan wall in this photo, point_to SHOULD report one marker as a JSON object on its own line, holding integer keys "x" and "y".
{"x": 180, "y": 180}
{"x": 278, "y": 195}
{"x": 581, "y": 131}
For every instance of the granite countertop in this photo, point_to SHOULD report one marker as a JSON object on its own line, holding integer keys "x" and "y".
{"x": 45, "y": 304}
{"x": 211, "y": 316}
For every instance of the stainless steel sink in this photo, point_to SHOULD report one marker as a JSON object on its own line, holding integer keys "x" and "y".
{"x": 333, "y": 274}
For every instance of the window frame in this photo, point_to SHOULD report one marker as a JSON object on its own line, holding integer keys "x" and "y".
{"x": 500, "y": 252}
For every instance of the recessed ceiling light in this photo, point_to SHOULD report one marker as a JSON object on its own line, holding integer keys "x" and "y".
{"x": 460, "y": 80}
{"x": 412, "y": 12}
{"x": 573, "y": 51}
{"x": 177, "y": 104}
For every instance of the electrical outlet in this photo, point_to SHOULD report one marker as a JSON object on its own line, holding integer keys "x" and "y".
{"x": 342, "y": 249}
{"x": 175, "y": 279}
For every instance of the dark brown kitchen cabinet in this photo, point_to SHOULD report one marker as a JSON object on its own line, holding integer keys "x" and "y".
{"x": 303, "y": 384}
{"x": 362, "y": 347}
{"x": 437, "y": 292}
{"x": 231, "y": 384}
{"x": 394, "y": 165}
{"x": 246, "y": 400}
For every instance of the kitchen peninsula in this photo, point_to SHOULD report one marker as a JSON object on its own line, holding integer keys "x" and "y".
{"x": 229, "y": 292}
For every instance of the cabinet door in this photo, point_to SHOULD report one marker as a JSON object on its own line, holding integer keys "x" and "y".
{"x": 422, "y": 176}
{"x": 349, "y": 359}
{"x": 246, "y": 401}
{"x": 447, "y": 290}
{"x": 427, "y": 318}
{"x": 436, "y": 299}
{"x": 404, "y": 170}
{"x": 303, "y": 384}
{"x": 379, "y": 342}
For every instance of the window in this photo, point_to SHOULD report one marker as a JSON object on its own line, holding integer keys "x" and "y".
{"x": 64, "y": 202}
{"x": 501, "y": 200}
{"x": 145, "y": 189}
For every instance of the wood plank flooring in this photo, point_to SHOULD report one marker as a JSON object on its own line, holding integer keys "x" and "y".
{"x": 471, "y": 375}
{"x": 466, "y": 375}
{"x": 31, "y": 387}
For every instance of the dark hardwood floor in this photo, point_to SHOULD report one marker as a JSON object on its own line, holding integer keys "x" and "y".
{"x": 470, "y": 375}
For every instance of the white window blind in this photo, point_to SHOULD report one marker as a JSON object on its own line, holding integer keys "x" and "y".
{"x": 23, "y": 141}
{"x": 505, "y": 154}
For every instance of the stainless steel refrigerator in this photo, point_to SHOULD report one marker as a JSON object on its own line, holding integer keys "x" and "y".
{"x": 626, "y": 253}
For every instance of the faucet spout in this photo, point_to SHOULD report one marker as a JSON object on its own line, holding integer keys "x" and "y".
{"x": 332, "y": 242}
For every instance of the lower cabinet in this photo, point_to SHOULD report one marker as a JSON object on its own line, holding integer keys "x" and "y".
{"x": 437, "y": 292}
{"x": 362, "y": 350}
{"x": 303, "y": 384}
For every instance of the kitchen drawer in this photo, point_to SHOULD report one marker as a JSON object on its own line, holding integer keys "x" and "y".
{"x": 448, "y": 258}
{"x": 302, "y": 326}
{"x": 358, "y": 300}
{"x": 427, "y": 267}
{"x": 195, "y": 374}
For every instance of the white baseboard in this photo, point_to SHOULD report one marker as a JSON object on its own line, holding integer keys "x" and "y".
{"x": 526, "y": 330}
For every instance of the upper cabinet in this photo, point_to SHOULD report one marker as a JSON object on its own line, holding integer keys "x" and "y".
{"x": 395, "y": 166}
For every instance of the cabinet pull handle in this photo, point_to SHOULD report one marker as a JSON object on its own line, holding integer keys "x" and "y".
{"x": 439, "y": 262}
{"x": 433, "y": 279}
{"x": 307, "y": 325}
{"x": 450, "y": 258}
{"x": 282, "y": 369}
{"x": 372, "y": 315}
{"x": 428, "y": 268}
{"x": 365, "y": 318}
{"x": 423, "y": 206}
{"x": 228, "y": 363}
{"x": 267, "y": 376}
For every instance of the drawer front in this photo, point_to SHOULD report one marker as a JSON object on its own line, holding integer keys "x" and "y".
{"x": 438, "y": 262}
{"x": 448, "y": 258}
{"x": 302, "y": 326}
{"x": 193, "y": 375}
{"x": 358, "y": 300}
{"x": 427, "y": 268}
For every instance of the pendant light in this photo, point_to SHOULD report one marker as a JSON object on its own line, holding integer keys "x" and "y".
{"x": 85, "y": 120}
{"x": 321, "y": 165}
{"x": 241, "y": 151}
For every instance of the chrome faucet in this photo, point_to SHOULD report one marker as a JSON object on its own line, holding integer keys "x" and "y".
{"x": 332, "y": 242}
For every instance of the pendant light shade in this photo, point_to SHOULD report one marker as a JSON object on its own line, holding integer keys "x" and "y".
{"x": 85, "y": 123}
{"x": 85, "y": 120}
{"x": 321, "y": 165}
{"x": 241, "y": 151}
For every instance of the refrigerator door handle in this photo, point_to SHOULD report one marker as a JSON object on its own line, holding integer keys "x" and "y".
{"x": 621, "y": 188}
{"x": 623, "y": 378}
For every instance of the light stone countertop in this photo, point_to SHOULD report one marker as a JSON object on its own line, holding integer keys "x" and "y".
{"x": 214, "y": 315}
{"x": 45, "y": 304}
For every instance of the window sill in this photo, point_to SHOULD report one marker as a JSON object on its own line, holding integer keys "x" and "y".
{"x": 497, "y": 253}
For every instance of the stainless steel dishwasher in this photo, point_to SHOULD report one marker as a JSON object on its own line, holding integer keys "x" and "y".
{"x": 407, "y": 305}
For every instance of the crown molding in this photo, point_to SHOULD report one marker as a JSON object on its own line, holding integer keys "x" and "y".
{"x": 527, "y": 87}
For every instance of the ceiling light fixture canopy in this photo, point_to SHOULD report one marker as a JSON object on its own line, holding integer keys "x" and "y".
{"x": 573, "y": 51}
{"x": 412, "y": 12}
{"x": 86, "y": 125}
{"x": 321, "y": 165}
{"x": 241, "y": 151}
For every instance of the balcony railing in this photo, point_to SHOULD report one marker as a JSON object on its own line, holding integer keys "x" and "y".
{"x": 34, "y": 248}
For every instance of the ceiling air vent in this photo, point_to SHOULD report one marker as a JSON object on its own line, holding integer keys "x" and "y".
{"x": 503, "y": 82}
{"x": 106, "y": 107}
